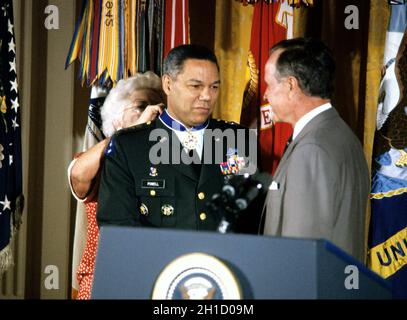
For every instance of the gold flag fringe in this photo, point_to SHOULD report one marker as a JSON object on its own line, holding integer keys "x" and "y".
{"x": 253, "y": 85}
{"x": 294, "y": 3}
{"x": 6, "y": 259}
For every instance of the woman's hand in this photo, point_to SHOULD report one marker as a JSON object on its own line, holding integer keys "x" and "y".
{"x": 150, "y": 113}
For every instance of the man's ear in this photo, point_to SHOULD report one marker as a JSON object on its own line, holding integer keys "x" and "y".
{"x": 166, "y": 83}
{"x": 293, "y": 85}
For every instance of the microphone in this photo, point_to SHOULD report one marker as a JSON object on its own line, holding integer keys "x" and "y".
{"x": 237, "y": 194}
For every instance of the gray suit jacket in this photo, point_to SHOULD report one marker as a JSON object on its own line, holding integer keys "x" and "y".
{"x": 322, "y": 186}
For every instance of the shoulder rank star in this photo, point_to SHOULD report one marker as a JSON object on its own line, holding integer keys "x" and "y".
{"x": 153, "y": 172}
{"x": 110, "y": 148}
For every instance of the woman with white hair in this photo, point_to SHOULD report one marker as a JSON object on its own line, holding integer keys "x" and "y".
{"x": 133, "y": 101}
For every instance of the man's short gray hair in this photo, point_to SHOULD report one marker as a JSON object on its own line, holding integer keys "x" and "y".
{"x": 120, "y": 96}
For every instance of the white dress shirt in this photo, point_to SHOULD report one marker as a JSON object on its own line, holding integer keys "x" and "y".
{"x": 182, "y": 135}
{"x": 308, "y": 117}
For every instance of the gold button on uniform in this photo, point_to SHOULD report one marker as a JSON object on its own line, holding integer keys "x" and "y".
{"x": 144, "y": 209}
{"x": 202, "y": 216}
{"x": 201, "y": 195}
{"x": 152, "y": 193}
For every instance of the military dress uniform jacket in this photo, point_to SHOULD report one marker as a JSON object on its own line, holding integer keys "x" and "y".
{"x": 136, "y": 192}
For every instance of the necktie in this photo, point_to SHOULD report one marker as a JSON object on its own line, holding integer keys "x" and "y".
{"x": 196, "y": 166}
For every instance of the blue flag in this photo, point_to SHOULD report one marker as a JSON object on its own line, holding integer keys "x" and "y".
{"x": 387, "y": 254}
{"x": 11, "y": 199}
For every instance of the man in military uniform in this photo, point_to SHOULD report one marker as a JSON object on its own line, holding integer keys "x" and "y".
{"x": 162, "y": 173}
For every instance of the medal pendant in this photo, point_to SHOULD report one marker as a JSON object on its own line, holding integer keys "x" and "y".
{"x": 191, "y": 141}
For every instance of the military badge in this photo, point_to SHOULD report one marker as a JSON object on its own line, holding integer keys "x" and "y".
{"x": 233, "y": 164}
{"x": 197, "y": 276}
{"x": 153, "y": 172}
{"x": 231, "y": 152}
{"x": 167, "y": 210}
{"x": 144, "y": 210}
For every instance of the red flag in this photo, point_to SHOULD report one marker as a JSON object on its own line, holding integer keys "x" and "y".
{"x": 271, "y": 24}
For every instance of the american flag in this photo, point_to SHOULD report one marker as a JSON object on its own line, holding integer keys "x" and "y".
{"x": 11, "y": 199}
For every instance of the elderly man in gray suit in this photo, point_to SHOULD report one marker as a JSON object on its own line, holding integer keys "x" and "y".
{"x": 321, "y": 186}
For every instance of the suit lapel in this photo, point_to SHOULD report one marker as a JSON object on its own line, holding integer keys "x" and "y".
{"x": 315, "y": 122}
{"x": 310, "y": 126}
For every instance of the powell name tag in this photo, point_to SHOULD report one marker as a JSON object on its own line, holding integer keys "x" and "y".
{"x": 152, "y": 184}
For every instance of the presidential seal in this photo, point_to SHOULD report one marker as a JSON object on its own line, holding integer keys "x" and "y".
{"x": 197, "y": 276}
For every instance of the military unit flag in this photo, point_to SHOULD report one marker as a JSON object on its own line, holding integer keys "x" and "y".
{"x": 387, "y": 253}
{"x": 271, "y": 23}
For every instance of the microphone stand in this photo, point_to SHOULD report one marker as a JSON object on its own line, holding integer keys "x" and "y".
{"x": 235, "y": 197}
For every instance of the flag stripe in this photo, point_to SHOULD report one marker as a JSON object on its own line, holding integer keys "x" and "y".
{"x": 174, "y": 18}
